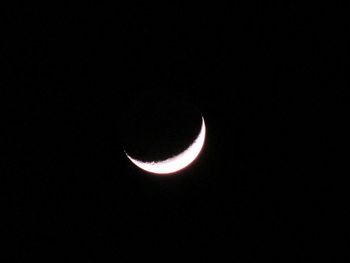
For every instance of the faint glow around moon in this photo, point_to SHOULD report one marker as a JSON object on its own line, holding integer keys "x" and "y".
{"x": 178, "y": 162}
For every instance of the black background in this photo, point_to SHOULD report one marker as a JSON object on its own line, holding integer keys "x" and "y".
{"x": 270, "y": 82}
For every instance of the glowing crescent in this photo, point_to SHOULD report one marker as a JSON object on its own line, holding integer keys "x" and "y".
{"x": 178, "y": 162}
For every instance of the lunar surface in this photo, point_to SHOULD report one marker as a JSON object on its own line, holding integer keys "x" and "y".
{"x": 175, "y": 163}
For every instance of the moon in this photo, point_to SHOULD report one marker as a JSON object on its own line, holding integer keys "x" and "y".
{"x": 175, "y": 163}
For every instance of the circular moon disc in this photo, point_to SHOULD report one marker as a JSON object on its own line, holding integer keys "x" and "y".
{"x": 175, "y": 163}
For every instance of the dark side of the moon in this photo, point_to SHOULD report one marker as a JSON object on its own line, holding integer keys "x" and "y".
{"x": 157, "y": 128}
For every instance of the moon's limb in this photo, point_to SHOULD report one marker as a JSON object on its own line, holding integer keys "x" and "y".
{"x": 178, "y": 162}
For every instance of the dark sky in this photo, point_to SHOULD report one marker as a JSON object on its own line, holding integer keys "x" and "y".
{"x": 270, "y": 82}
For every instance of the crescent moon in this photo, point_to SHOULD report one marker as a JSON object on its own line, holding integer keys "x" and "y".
{"x": 175, "y": 163}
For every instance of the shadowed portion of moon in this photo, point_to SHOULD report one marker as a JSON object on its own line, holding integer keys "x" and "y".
{"x": 158, "y": 127}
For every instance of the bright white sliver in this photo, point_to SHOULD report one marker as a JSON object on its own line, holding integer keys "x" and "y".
{"x": 178, "y": 162}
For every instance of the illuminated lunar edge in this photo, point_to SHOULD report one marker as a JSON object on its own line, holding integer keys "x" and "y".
{"x": 175, "y": 163}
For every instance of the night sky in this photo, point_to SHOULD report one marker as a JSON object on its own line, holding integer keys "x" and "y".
{"x": 80, "y": 84}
